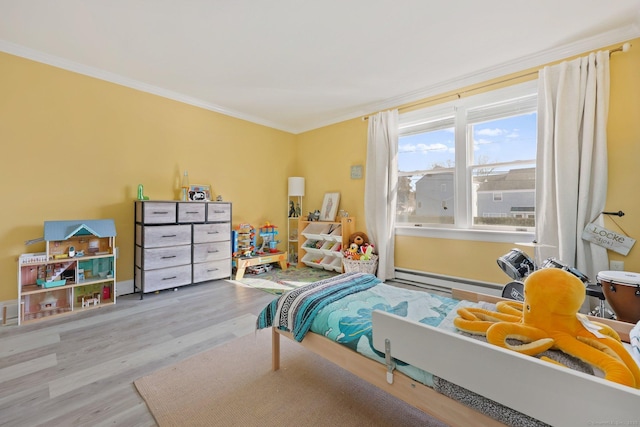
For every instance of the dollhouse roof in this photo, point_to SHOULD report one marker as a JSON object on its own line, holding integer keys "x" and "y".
{"x": 62, "y": 230}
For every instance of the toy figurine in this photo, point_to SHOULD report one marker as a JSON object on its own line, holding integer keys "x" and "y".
{"x": 141, "y": 195}
{"x": 314, "y": 216}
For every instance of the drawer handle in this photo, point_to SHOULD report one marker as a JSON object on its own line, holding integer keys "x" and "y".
{"x": 169, "y": 235}
{"x": 212, "y": 269}
{"x": 168, "y": 256}
{"x": 170, "y": 278}
{"x": 213, "y": 232}
{"x": 193, "y": 212}
{"x": 160, "y": 212}
{"x": 213, "y": 251}
{"x": 215, "y": 211}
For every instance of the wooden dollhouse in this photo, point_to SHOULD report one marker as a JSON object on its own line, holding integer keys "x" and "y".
{"x": 79, "y": 264}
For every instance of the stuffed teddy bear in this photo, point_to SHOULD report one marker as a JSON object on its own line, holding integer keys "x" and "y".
{"x": 359, "y": 238}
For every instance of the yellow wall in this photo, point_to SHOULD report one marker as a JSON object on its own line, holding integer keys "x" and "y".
{"x": 477, "y": 260}
{"x": 624, "y": 150}
{"x": 74, "y": 147}
{"x": 326, "y": 157}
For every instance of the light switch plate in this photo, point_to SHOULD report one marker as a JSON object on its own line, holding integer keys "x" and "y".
{"x": 356, "y": 172}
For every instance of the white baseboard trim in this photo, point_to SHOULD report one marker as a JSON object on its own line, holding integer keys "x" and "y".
{"x": 12, "y": 310}
{"x": 446, "y": 283}
{"x": 124, "y": 287}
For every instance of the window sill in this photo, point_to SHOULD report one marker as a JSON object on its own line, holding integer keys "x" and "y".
{"x": 466, "y": 234}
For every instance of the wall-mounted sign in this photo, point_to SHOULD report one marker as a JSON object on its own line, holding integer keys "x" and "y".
{"x": 356, "y": 172}
{"x": 609, "y": 239}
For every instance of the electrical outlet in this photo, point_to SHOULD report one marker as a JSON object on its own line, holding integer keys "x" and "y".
{"x": 616, "y": 265}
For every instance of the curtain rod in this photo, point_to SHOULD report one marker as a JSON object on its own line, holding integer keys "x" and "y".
{"x": 460, "y": 93}
{"x": 623, "y": 48}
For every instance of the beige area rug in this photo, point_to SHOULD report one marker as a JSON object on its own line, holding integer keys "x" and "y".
{"x": 233, "y": 385}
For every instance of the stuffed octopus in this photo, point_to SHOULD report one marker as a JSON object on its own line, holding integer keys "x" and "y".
{"x": 549, "y": 319}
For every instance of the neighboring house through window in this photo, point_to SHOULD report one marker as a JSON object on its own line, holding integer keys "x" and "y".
{"x": 470, "y": 164}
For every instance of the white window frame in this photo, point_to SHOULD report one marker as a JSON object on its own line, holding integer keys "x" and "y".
{"x": 463, "y": 228}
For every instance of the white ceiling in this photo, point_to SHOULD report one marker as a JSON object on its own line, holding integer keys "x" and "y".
{"x": 297, "y": 65}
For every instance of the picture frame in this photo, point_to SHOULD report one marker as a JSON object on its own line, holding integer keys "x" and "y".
{"x": 199, "y": 193}
{"x": 330, "y": 207}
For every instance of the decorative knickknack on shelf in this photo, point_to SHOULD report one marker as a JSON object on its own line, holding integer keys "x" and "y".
{"x": 184, "y": 188}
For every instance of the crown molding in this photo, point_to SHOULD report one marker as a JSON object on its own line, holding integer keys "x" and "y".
{"x": 55, "y": 61}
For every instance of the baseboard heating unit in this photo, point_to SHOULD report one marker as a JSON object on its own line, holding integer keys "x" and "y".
{"x": 445, "y": 283}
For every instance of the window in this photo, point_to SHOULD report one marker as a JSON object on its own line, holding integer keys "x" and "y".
{"x": 470, "y": 164}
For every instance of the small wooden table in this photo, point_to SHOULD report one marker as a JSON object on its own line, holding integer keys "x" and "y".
{"x": 243, "y": 262}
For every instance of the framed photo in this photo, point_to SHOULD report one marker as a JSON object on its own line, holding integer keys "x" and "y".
{"x": 199, "y": 193}
{"x": 329, "y": 206}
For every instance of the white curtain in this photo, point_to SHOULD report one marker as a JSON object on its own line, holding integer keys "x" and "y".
{"x": 380, "y": 189}
{"x": 571, "y": 177}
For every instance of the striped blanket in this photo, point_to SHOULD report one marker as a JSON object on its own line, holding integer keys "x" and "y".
{"x": 295, "y": 310}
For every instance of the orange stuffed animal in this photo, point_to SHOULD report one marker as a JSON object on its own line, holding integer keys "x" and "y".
{"x": 549, "y": 318}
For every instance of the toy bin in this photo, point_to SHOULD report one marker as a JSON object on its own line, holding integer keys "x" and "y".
{"x": 314, "y": 230}
{"x": 361, "y": 266}
{"x": 313, "y": 246}
{"x": 313, "y": 260}
{"x": 336, "y": 251}
{"x": 327, "y": 247}
{"x": 328, "y": 263}
{"x": 333, "y": 233}
{"x": 335, "y": 265}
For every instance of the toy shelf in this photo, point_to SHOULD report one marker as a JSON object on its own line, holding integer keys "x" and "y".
{"x": 320, "y": 243}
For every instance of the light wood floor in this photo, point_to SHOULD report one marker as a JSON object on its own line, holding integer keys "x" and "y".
{"x": 78, "y": 370}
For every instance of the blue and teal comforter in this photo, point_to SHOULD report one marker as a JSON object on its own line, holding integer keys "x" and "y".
{"x": 340, "y": 309}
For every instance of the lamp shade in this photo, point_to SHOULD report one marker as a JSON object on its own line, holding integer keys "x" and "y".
{"x": 296, "y": 186}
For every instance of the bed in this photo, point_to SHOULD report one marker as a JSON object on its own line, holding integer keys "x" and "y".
{"x": 353, "y": 320}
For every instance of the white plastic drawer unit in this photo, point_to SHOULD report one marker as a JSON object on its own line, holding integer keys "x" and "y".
{"x": 168, "y": 235}
{"x": 191, "y": 212}
{"x": 218, "y": 212}
{"x": 156, "y": 212}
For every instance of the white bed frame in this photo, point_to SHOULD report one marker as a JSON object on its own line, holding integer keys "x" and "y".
{"x": 552, "y": 394}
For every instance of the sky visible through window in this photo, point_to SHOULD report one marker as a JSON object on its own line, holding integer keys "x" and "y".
{"x": 503, "y": 140}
